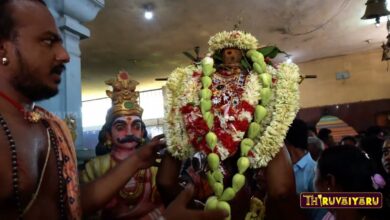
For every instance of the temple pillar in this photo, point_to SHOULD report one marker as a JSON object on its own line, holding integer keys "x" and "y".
{"x": 70, "y": 15}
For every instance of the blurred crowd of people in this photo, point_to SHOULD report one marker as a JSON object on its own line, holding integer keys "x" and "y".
{"x": 356, "y": 164}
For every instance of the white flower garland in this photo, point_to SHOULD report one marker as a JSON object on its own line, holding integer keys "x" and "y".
{"x": 174, "y": 128}
{"x": 232, "y": 39}
{"x": 252, "y": 90}
{"x": 285, "y": 108}
{"x": 271, "y": 106}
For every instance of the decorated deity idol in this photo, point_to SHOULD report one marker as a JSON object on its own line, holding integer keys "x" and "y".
{"x": 124, "y": 132}
{"x": 234, "y": 107}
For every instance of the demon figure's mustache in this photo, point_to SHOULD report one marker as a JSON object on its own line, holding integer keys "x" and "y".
{"x": 129, "y": 138}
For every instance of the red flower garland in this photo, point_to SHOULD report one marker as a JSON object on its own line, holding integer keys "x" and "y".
{"x": 197, "y": 128}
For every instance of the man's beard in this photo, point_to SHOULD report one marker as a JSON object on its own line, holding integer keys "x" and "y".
{"x": 26, "y": 83}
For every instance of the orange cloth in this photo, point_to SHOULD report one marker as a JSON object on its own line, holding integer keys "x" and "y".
{"x": 68, "y": 155}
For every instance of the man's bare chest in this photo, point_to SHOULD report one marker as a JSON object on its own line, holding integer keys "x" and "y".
{"x": 23, "y": 155}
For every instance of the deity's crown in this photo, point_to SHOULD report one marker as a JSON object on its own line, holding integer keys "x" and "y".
{"x": 124, "y": 97}
{"x": 232, "y": 39}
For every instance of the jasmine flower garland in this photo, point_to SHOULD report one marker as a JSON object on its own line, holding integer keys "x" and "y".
{"x": 174, "y": 128}
{"x": 252, "y": 90}
{"x": 232, "y": 39}
{"x": 286, "y": 107}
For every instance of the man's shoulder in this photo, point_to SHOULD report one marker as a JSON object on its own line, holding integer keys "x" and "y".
{"x": 49, "y": 116}
{"x": 306, "y": 162}
{"x": 310, "y": 160}
{"x": 56, "y": 123}
{"x": 310, "y": 164}
{"x": 46, "y": 114}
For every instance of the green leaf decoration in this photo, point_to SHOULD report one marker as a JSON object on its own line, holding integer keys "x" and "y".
{"x": 217, "y": 57}
{"x": 210, "y": 178}
{"x": 245, "y": 64}
{"x": 245, "y": 146}
{"x": 213, "y": 161}
{"x": 211, "y": 140}
{"x": 217, "y": 188}
{"x": 270, "y": 51}
{"x": 243, "y": 164}
{"x": 228, "y": 194}
{"x": 238, "y": 181}
{"x": 211, "y": 203}
{"x": 224, "y": 206}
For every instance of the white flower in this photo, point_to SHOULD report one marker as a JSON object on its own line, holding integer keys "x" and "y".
{"x": 235, "y": 39}
{"x": 245, "y": 115}
{"x": 252, "y": 89}
{"x": 223, "y": 152}
{"x": 238, "y": 136}
{"x": 179, "y": 83}
{"x": 286, "y": 106}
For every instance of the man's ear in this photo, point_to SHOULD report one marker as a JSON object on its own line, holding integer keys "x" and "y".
{"x": 144, "y": 131}
{"x": 3, "y": 51}
{"x": 107, "y": 136}
{"x": 6, "y": 46}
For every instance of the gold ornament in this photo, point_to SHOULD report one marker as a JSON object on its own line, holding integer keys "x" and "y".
{"x": 124, "y": 97}
{"x": 132, "y": 195}
{"x": 108, "y": 143}
{"x": 33, "y": 116}
{"x": 257, "y": 210}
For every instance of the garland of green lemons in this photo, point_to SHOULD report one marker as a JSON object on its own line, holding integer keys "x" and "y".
{"x": 215, "y": 176}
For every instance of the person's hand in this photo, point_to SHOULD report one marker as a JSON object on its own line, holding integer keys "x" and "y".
{"x": 178, "y": 210}
{"x": 147, "y": 154}
{"x": 168, "y": 171}
{"x": 167, "y": 178}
